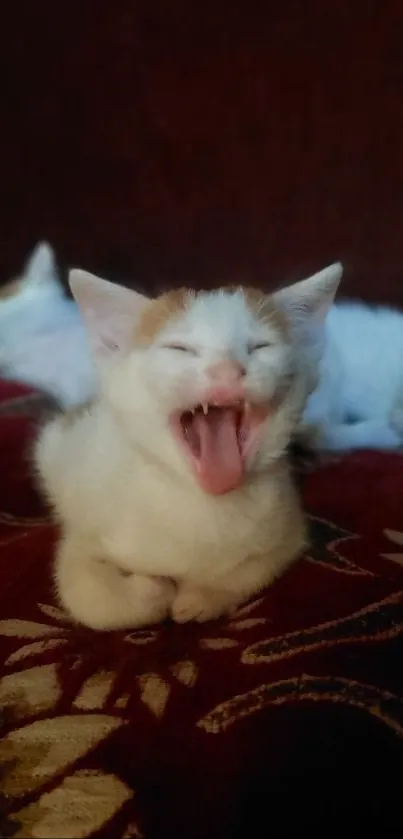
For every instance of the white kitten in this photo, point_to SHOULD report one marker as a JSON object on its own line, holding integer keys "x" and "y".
{"x": 172, "y": 489}
{"x": 42, "y": 339}
{"x": 359, "y": 399}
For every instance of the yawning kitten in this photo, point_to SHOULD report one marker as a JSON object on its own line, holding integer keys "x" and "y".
{"x": 42, "y": 340}
{"x": 172, "y": 488}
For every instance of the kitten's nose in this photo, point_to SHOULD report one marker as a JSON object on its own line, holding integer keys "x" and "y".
{"x": 226, "y": 372}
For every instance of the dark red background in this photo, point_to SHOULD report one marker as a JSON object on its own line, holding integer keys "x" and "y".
{"x": 166, "y": 142}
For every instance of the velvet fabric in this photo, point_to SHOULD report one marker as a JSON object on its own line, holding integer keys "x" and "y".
{"x": 285, "y": 719}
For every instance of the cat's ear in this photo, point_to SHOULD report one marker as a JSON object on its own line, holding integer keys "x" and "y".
{"x": 40, "y": 268}
{"x": 110, "y": 312}
{"x": 307, "y": 303}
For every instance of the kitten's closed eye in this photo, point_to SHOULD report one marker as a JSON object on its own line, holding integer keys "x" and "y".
{"x": 179, "y": 348}
{"x": 187, "y": 349}
{"x": 263, "y": 345}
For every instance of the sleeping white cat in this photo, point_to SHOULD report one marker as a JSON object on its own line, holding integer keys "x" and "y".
{"x": 358, "y": 402}
{"x": 42, "y": 339}
{"x": 172, "y": 489}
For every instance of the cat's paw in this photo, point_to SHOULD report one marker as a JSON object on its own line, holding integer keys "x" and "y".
{"x": 152, "y": 597}
{"x": 199, "y": 604}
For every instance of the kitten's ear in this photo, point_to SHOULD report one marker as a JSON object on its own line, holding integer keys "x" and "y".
{"x": 109, "y": 311}
{"x": 307, "y": 303}
{"x": 41, "y": 268}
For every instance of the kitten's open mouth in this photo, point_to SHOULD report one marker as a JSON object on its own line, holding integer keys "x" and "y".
{"x": 217, "y": 439}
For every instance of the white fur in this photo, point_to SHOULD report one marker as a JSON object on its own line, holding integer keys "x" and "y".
{"x": 140, "y": 538}
{"x": 357, "y": 403}
{"x": 42, "y": 340}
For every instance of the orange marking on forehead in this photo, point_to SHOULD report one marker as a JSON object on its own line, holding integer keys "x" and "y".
{"x": 159, "y": 312}
{"x": 167, "y": 306}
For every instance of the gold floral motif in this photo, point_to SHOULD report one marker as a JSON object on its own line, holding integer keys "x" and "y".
{"x": 243, "y": 611}
{"x": 333, "y": 559}
{"x": 31, "y": 691}
{"x": 82, "y": 804}
{"x": 217, "y": 643}
{"x": 185, "y": 672}
{"x": 52, "y": 636}
{"x": 95, "y": 691}
{"x": 358, "y": 627}
{"x": 380, "y": 704}
{"x": 122, "y": 701}
{"x": 37, "y": 648}
{"x": 16, "y": 628}
{"x": 396, "y": 537}
{"x": 42, "y": 750}
{"x": 54, "y": 613}
{"x": 154, "y": 692}
{"x": 142, "y": 636}
{"x": 246, "y": 623}
{"x": 93, "y": 694}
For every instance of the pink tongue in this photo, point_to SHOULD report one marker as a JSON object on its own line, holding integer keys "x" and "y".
{"x": 220, "y": 463}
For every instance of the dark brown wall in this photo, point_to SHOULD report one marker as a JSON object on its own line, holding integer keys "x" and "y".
{"x": 199, "y": 142}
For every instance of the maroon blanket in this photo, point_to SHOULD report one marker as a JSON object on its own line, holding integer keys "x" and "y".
{"x": 286, "y": 719}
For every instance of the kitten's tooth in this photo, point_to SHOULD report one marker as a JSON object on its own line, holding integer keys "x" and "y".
{"x": 205, "y": 408}
{"x": 192, "y": 411}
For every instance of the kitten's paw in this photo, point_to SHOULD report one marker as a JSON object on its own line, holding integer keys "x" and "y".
{"x": 199, "y": 604}
{"x": 152, "y": 597}
{"x": 99, "y": 596}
